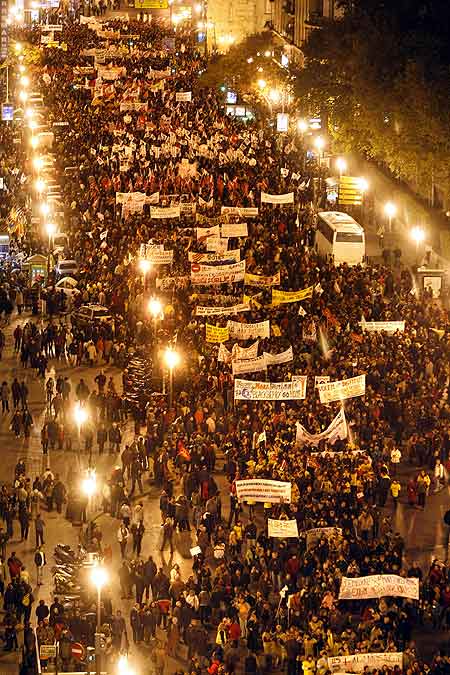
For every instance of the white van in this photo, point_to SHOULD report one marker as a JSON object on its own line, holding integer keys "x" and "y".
{"x": 340, "y": 236}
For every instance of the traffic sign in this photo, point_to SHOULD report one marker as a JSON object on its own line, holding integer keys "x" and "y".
{"x": 195, "y": 267}
{"x": 78, "y": 651}
{"x": 350, "y": 191}
{"x": 7, "y": 112}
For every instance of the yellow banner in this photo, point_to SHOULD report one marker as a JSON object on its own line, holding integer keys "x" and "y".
{"x": 216, "y": 334}
{"x": 260, "y": 280}
{"x": 283, "y": 297}
{"x": 151, "y": 4}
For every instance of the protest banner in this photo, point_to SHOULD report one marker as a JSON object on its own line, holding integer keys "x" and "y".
{"x": 204, "y": 232}
{"x": 216, "y": 333}
{"x": 287, "y": 198}
{"x": 206, "y": 275}
{"x": 337, "y": 430}
{"x": 342, "y": 389}
{"x": 264, "y": 490}
{"x": 256, "y": 365}
{"x": 358, "y": 662}
{"x": 172, "y": 282}
{"x": 260, "y": 280}
{"x": 245, "y": 353}
{"x": 164, "y": 212}
{"x": 146, "y": 249}
{"x": 224, "y": 355}
{"x": 378, "y": 326}
{"x": 282, "y": 357}
{"x": 160, "y": 257}
{"x": 221, "y": 311}
{"x": 217, "y": 244}
{"x": 378, "y": 586}
{"x": 183, "y": 96}
{"x": 234, "y": 230}
{"x": 284, "y": 297}
{"x": 246, "y": 390}
{"x": 209, "y": 257}
{"x": 282, "y": 529}
{"x": 314, "y": 535}
{"x": 246, "y": 212}
{"x": 320, "y": 379}
{"x": 246, "y": 331}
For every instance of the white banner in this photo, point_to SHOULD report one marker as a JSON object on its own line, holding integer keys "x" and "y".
{"x": 164, "y": 212}
{"x": 337, "y": 430}
{"x": 246, "y": 390}
{"x": 246, "y": 212}
{"x": 210, "y": 257}
{"x": 221, "y": 311}
{"x": 146, "y": 249}
{"x": 320, "y": 379}
{"x": 217, "y": 244}
{"x": 246, "y": 331}
{"x": 342, "y": 389}
{"x": 378, "y": 326}
{"x": 160, "y": 257}
{"x": 204, "y": 232}
{"x": 287, "y": 198}
{"x": 378, "y": 586}
{"x": 358, "y": 662}
{"x": 224, "y": 355}
{"x": 249, "y": 365}
{"x": 282, "y": 357}
{"x": 314, "y": 535}
{"x": 183, "y": 96}
{"x": 245, "y": 353}
{"x": 234, "y": 230}
{"x": 282, "y": 529}
{"x": 264, "y": 490}
{"x": 206, "y": 275}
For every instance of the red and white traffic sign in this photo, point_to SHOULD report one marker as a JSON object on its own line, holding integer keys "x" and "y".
{"x": 195, "y": 267}
{"x": 78, "y": 651}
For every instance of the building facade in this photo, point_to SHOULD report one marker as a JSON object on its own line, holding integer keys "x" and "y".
{"x": 232, "y": 21}
{"x": 293, "y": 20}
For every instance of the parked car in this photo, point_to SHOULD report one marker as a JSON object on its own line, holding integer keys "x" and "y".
{"x": 68, "y": 285}
{"x": 67, "y": 268}
{"x": 89, "y": 314}
{"x": 60, "y": 243}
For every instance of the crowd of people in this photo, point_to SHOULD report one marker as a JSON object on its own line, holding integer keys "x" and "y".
{"x": 138, "y": 123}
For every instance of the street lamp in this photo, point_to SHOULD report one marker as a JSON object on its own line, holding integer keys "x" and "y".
{"x": 262, "y": 84}
{"x": 23, "y": 96}
{"x": 341, "y": 165}
{"x": 320, "y": 144}
{"x": 99, "y": 579}
{"x": 155, "y": 307}
{"x": 40, "y": 185}
{"x": 390, "y": 210}
{"x": 34, "y": 141}
{"x": 45, "y": 208}
{"x": 51, "y": 230}
{"x": 302, "y": 126}
{"x": 418, "y": 236}
{"x": 25, "y": 81}
{"x": 275, "y": 96}
{"x": 81, "y": 416}
{"x": 172, "y": 359}
{"x": 145, "y": 267}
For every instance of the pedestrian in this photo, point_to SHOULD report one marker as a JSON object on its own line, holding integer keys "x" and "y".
{"x": 123, "y": 535}
{"x": 40, "y": 561}
{"x": 395, "y": 492}
{"x": 137, "y": 530}
{"x": 167, "y": 534}
{"x": 4, "y": 393}
{"x": 39, "y": 530}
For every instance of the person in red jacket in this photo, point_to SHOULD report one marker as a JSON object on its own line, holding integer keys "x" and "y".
{"x": 14, "y": 565}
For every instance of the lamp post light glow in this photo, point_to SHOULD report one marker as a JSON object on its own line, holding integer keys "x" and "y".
{"x": 45, "y": 208}
{"x": 23, "y": 96}
{"x": 262, "y": 84}
{"x": 144, "y": 266}
{"x": 172, "y": 359}
{"x": 302, "y": 126}
{"x": 124, "y": 668}
{"x": 341, "y": 165}
{"x": 34, "y": 142}
{"x": 39, "y": 185}
{"x": 155, "y": 307}
{"x": 99, "y": 578}
{"x": 89, "y": 484}
{"x": 22, "y": 68}
{"x": 25, "y": 81}
{"x": 390, "y": 210}
{"x": 418, "y": 235}
{"x": 38, "y": 163}
{"x": 275, "y": 95}
{"x": 363, "y": 185}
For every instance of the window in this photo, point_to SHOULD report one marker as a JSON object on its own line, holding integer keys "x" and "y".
{"x": 349, "y": 237}
{"x": 325, "y": 230}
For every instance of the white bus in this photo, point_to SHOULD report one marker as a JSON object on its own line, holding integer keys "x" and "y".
{"x": 340, "y": 236}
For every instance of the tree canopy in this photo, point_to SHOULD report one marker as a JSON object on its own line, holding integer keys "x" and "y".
{"x": 381, "y": 74}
